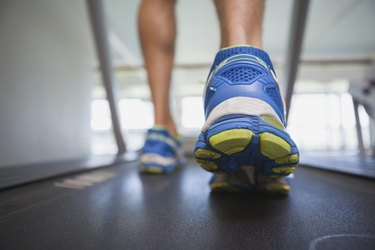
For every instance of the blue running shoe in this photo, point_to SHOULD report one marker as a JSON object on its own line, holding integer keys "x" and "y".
{"x": 160, "y": 153}
{"x": 245, "y": 120}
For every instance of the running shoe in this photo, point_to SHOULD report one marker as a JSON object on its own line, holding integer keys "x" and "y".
{"x": 245, "y": 116}
{"x": 161, "y": 153}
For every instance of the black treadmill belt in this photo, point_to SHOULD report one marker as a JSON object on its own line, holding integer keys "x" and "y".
{"x": 128, "y": 211}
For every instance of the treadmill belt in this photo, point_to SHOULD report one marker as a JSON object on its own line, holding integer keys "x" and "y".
{"x": 116, "y": 208}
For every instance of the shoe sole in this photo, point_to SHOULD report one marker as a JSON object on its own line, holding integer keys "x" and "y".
{"x": 232, "y": 183}
{"x": 151, "y": 163}
{"x": 223, "y": 187}
{"x": 246, "y": 140}
{"x": 271, "y": 188}
{"x": 275, "y": 188}
{"x": 247, "y": 181}
{"x": 149, "y": 169}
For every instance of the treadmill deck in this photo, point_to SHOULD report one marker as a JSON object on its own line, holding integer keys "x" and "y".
{"x": 121, "y": 209}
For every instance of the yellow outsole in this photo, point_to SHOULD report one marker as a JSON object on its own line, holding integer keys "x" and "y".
{"x": 222, "y": 186}
{"x": 208, "y": 165}
{"x": 151, "y": 170}
{"x": 293, "y": 159}
{"x": 273, "y": 146}
{"x": 286, "y": 170}
{"x": 206, "y": 154}
{"x": 277, "y": 188}
{"x": 231, "y": 141}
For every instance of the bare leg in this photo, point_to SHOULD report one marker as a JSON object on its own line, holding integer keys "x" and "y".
{"x": 240, "y": 22}
{"x": 157, "y": 31}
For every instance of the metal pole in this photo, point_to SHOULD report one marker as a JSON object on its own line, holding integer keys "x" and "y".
{"x": 97, "y": 18}
{"x": 361, "y": 145}
{"x": 299, "y": 16}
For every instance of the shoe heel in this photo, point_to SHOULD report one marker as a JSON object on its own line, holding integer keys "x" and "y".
{"x": 246, "y": 140}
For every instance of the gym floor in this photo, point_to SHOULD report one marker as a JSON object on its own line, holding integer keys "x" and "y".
{"x": 116, "y": 208}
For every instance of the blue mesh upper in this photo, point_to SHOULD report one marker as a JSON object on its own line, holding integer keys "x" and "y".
{"x": 226, "y": 53}
{"x": 244, "y": 74}
{"x": 243, "y": 71}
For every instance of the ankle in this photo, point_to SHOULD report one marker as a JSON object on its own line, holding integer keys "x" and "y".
{"x": 170, "y": 126}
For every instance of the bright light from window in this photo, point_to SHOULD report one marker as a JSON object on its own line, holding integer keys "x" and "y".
{"x": 347, "y": 109}
{"x": 324, "y": 121}
{"x": 192, "y": 116}
{"x": 136, "y": 113}
{"x": 100, "y": 115}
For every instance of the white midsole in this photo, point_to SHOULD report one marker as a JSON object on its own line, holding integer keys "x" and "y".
{"x": 149, "y": 158}
{"x": 240, "y": 105}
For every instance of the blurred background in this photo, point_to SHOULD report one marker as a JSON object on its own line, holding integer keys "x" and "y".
{"x": 53, "y": 105}
{"x": 339, "y": 48}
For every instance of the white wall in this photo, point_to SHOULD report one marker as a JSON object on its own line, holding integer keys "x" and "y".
{"x": 45, "y": 81}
